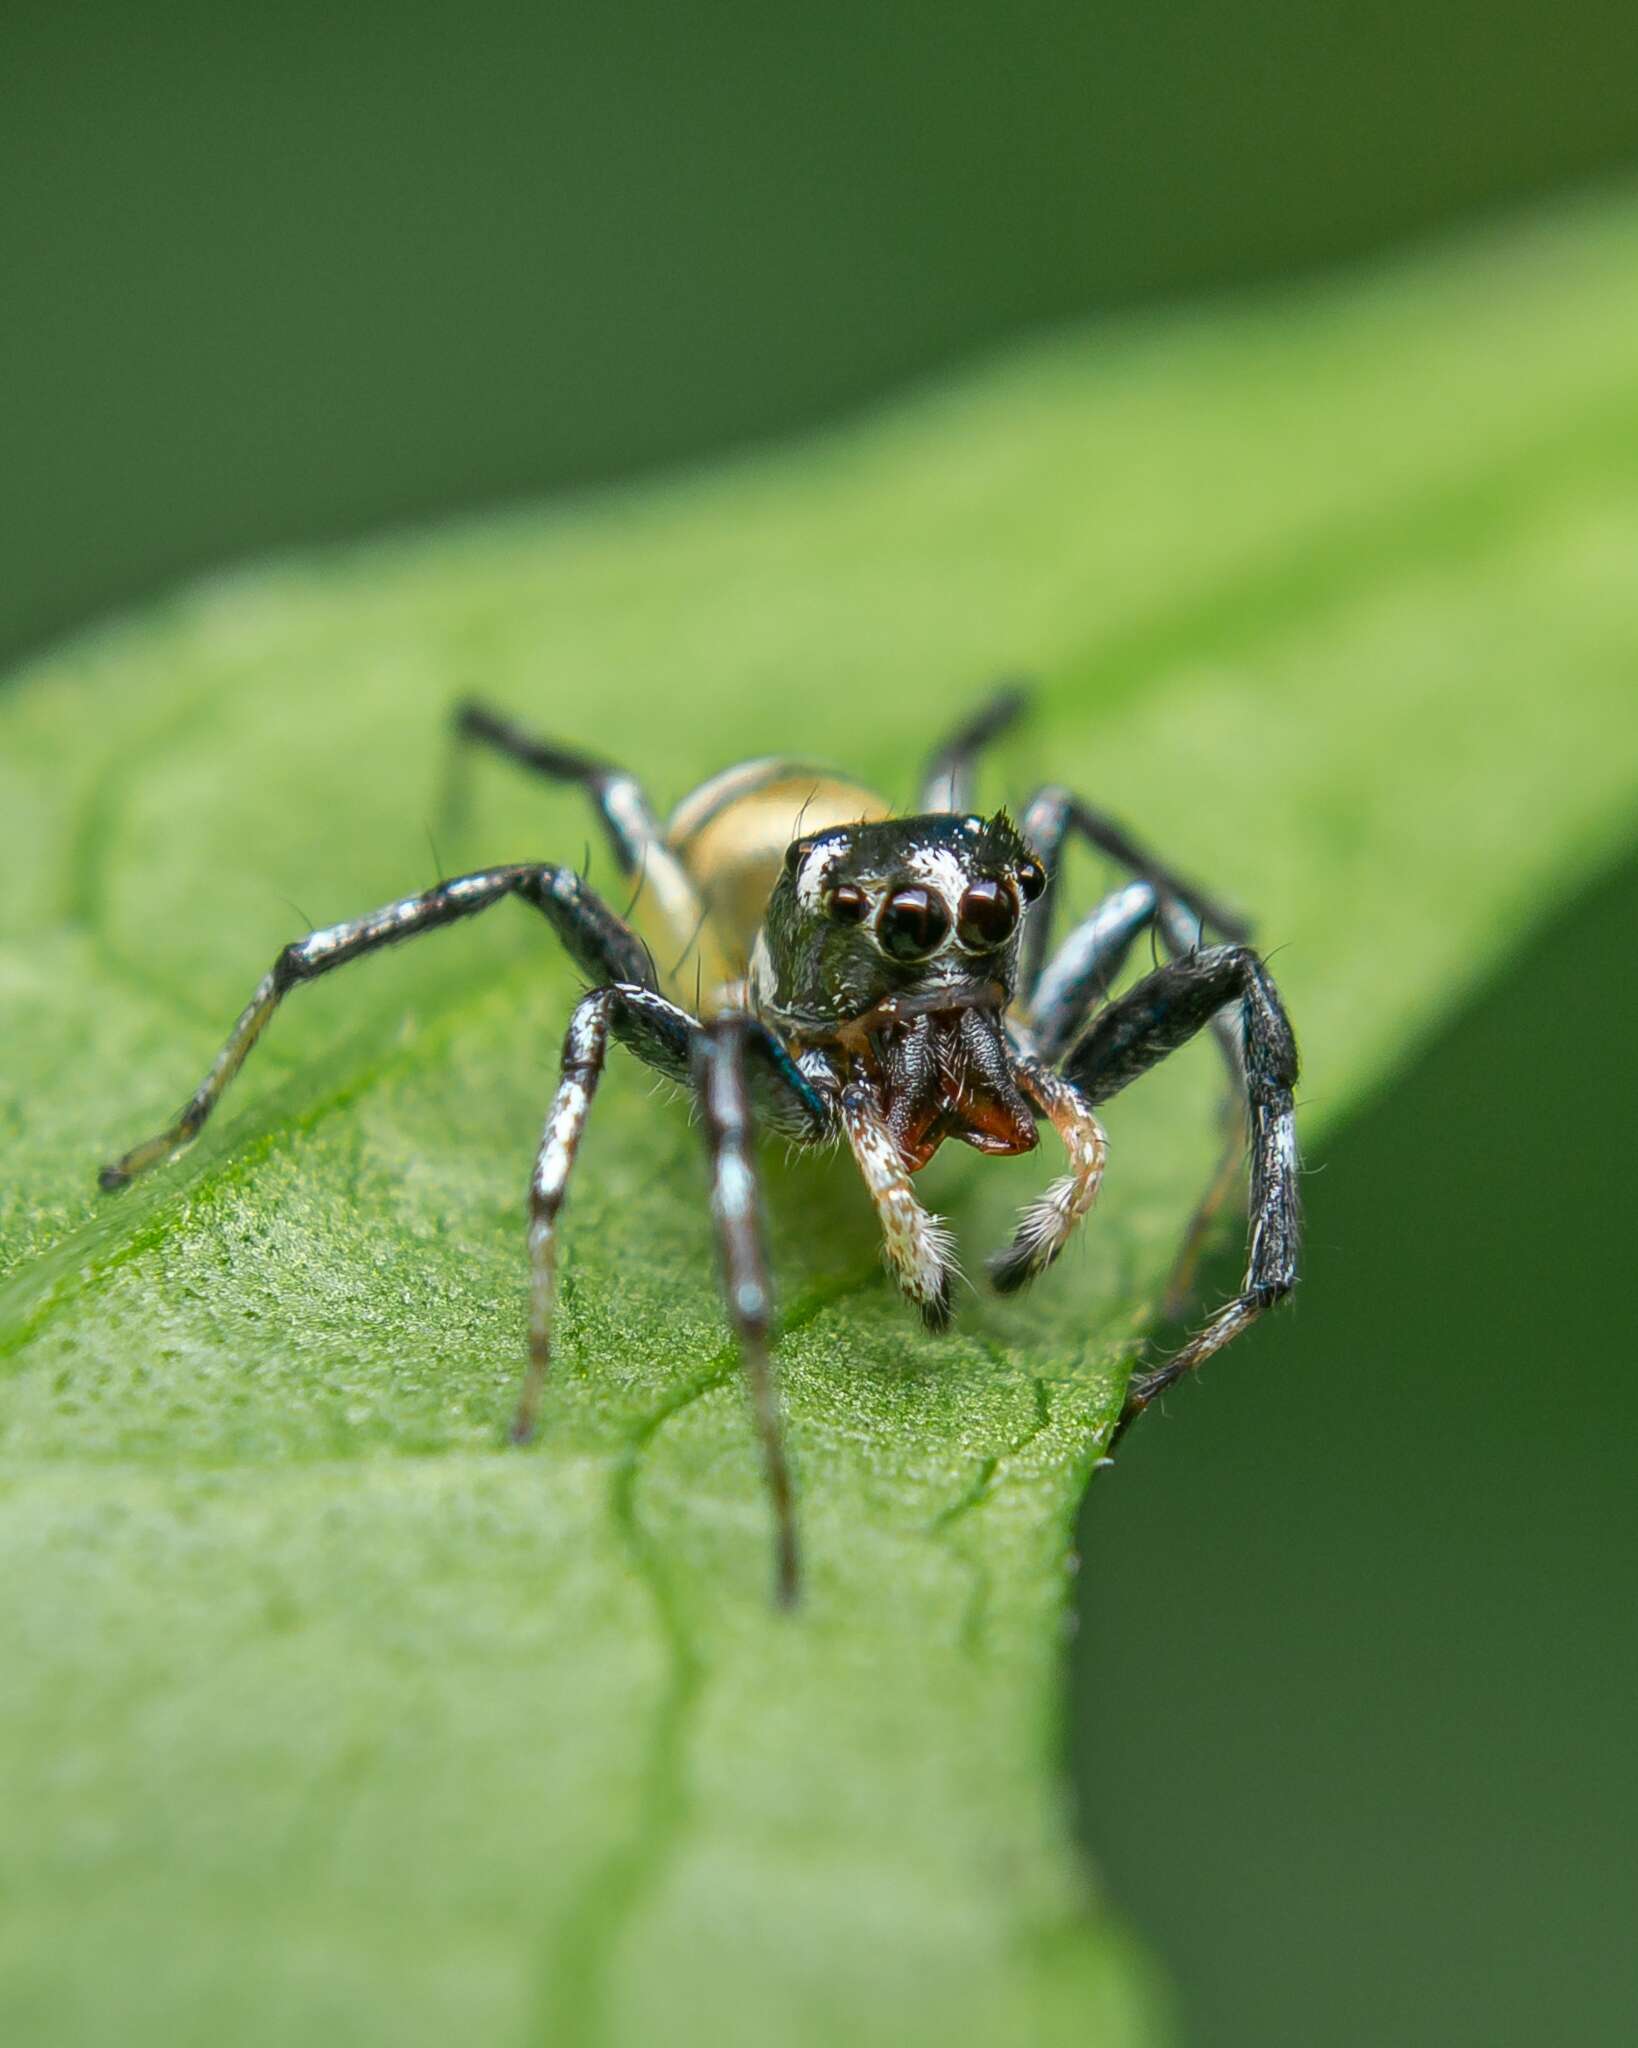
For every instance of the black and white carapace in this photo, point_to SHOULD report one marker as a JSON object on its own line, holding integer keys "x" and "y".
{"x": 884, "y": 980}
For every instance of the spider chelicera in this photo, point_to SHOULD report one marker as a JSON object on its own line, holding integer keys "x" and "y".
{"x": 858, "y": 975}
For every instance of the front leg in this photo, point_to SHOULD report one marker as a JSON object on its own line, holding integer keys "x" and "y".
{"x": 597, "y": 940}
{"x": 722, "y": 1082}
{"x": 916, "y": 1244}
{"x": 1161, "y": 1013}
{"x": 662, "y": 1036}
{"x": 668, "y": 1040}
{"x": 1076, "y": 981}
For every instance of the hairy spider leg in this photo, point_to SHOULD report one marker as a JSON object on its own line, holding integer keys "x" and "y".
{"x": 1164, "y": 1011}
{"x": 1064, "y": 989}
{"x": 662, "y": 1037}
{"x": 1083, "y": 969}
{"x": 1047, "y": 1223}
{"x": 731, "y": 1062}
{"x": 1050, "y": 817}
{"x": 597, "y": 940}
{"x": 1182, "y": 936}
{"x": 665, "y": 892}
{"x": 950, "y": 780}
{"x": 720, "y": 1079}
{"x": 916, "y": 1245}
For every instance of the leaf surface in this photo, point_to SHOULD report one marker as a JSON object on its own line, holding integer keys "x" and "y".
{"x": 324, "y": 1714}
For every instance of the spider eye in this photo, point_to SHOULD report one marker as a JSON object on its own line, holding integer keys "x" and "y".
{"x": 912, "y": 924}
{"x": 847, "y": 903}
{"x": 988, "y": 915}
{"x": 1031, "y": 880}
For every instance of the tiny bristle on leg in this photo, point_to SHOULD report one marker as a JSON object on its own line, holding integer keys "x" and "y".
{"x": 1043, "y": 1230}
{"x": 1048, "y": 1222}
{"x": 917, "y": 1247}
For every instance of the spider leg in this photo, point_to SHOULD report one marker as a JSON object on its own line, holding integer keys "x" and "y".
{"x": 1079, "y": 976}
{"x": 1225, "y": 1183}
{"x": 1046, "y": 1225}
{"x": 660, "y": 1035}
{"x": 721, "y": 1080}
{"x": 629, "y": 824}
{"x": 951, "y": 774}
{"x": 726, "y": 1060}
{"x": 598, "y": 941}
{"x": 1162, "y": 1012}
{"x": 1084, "y": 967}
{"x": 1050, "y": 817}
{"x": 916, "y": 1244}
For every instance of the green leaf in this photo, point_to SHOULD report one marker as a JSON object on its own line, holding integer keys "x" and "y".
{"x": 324, "y": 1715}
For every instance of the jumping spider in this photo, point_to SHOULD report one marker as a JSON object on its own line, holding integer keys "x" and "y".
{"x": 861, "y": 979}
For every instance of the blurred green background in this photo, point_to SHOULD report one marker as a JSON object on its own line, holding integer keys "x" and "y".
{"x": 272, "y": 277}
{"x": 1376, "y": 1691}
{"x": 276, "y": 274}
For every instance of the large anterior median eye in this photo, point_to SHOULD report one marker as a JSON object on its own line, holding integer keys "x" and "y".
{"x": 912, "y": 924}
{"x": 988, "y": 914}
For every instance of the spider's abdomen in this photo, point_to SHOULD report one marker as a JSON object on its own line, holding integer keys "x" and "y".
{"x": 731, "y": 835}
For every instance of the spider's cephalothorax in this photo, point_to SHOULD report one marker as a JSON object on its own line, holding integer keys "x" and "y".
{"x": 894, "y": 948}
{"x": 841, "y": 972}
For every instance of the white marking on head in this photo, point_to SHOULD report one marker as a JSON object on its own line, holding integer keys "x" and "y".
{"x": 936, "y": 868}
{"x": 815, "y": 870}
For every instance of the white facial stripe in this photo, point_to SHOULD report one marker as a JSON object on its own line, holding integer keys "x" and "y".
{"x": 816, "y": 866}
{"x": 939, "y": 870}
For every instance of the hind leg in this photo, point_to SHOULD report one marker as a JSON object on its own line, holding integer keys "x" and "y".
{"x": 629, "y": 824}
{"x": 952, "y": 772}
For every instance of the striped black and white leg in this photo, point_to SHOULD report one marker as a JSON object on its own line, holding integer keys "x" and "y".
{"x": 1051, "y": 818}
{"x": 1077, "y": 980}
{"x": 662, "y": 1037}
{"x": 597, "y": 940}
{"x": 720, "y": 1077}
{"x": 633, "y": 832}
{"x": 1164, "y": 1011}
{"x": 1086, "y": 965}
{"x": 668, "y": 1040}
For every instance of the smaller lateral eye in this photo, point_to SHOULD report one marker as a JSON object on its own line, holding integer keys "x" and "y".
{"x": 847, "y": 903}
{"x": 1031, "y": 880}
